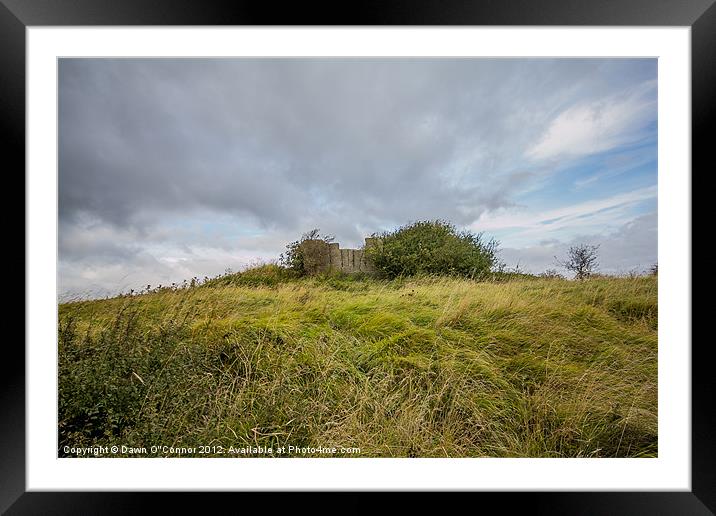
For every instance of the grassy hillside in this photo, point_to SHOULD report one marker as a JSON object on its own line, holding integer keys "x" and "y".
{"x": 528, "y": 367}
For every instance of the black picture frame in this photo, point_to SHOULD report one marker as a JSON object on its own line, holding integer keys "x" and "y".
{"x": 699, "y": 15}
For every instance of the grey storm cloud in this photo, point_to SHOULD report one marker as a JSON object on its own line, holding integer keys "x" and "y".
{"x": 277, "y": 139}
{"x": 631, "y": 248}
{"x": 285, "y": 145}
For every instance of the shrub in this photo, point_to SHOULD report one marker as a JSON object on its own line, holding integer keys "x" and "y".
{"x": 431, "y": 247}
{"x": 292, "y": 258}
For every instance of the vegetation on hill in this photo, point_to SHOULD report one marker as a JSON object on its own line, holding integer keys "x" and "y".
{"x": 432, "y": 247}
{"x": 292, "y": 258}
{"x": 412, "y": 367}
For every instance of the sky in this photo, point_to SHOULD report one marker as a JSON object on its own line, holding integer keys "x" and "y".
{"x": 177, "y": 168}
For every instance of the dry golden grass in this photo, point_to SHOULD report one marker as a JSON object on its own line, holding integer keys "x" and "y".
{"x": 410, "y": 368}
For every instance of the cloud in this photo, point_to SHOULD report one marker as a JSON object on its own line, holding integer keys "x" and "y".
{"x": 171, "y": 167}
{"x": 598, "y": 126}
{"x": 538, "y": 225}
{"x": 631, "y": 247}
{"x": 99, "y": 259}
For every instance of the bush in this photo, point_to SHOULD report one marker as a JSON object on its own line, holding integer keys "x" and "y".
{"x": 431, "y": 247}
{"x": 292, "y": 258}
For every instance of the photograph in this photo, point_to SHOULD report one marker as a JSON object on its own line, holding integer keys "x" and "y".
{"x": 357, "y": 257}
{"x": 429, "y": 249}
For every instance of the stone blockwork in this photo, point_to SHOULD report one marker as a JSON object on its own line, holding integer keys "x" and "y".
{"x": 320, "y": 256}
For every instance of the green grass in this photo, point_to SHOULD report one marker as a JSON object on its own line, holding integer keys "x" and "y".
{"x": 429, "y": 367}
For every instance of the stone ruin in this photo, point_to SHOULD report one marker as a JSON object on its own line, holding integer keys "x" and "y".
{"x": 320, "y": 256}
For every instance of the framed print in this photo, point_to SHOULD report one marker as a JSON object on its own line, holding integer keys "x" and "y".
{"x": 444, "y": 248}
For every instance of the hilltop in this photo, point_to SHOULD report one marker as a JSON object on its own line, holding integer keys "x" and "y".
{"x": 510, "y": 366}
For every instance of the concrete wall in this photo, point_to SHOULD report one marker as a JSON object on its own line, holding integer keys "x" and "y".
{"x": 320, "y": 256}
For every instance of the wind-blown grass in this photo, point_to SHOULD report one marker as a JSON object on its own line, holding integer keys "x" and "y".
{"x": 427, "y": 367}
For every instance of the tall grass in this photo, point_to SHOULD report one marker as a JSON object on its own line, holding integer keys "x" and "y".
{"x": 428, "y": 367}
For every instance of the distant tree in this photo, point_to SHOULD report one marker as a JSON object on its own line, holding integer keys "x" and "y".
{"x": 581, "y": 260}
{"x": 654, "y": 269}
{"x": 292, "y": 257}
